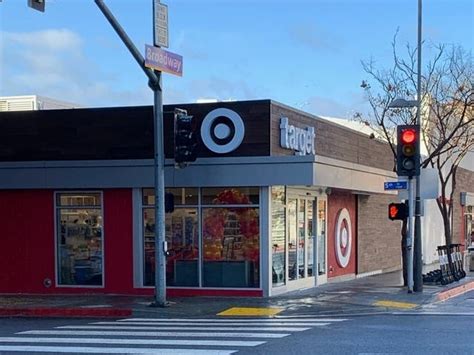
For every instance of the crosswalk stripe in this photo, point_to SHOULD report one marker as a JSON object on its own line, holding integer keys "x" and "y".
{"x": 247, "y": 320}
{"x": 154, "y": 334}
{"x": 97, "y": 350}
{"x": 312, "y": 324}
{"x": 111, "y": 327}
{"x": 177, "y": 342}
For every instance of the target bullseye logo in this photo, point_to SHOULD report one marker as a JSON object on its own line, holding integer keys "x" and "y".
{"x": 343, "y": 238}
{"x": 222, "y": 130}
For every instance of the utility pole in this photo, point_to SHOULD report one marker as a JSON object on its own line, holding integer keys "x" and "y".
{"x": 158, "y": 167}
{"x": 418, "y": 262}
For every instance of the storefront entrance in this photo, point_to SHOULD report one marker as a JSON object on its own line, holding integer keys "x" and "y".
{"x": 306, "y": 238}
{"x": 299, "y": 255}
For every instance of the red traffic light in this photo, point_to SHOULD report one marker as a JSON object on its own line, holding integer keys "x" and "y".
{"x": 408, "y": 136}
{"x": 408, "y": 150}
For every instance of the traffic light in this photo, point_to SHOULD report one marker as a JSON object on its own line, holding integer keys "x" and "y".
{"x": 408, "y": 150}
{"x": 37, "y": 4}
{"x": 185, "y": 140}
{"x": 397, "y": 211}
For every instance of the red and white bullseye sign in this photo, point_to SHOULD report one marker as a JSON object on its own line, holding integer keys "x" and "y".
{"x": 343, "y": 238}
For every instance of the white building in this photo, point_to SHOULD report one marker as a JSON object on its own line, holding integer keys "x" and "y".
{"x": 32, "y": 103}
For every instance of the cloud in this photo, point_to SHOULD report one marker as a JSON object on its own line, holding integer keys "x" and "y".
{"x": 53, "y": 63}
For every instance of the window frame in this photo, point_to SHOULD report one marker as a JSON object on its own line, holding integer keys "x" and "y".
{"x": 200, "y": 206}
{"x": 57, "y": 207}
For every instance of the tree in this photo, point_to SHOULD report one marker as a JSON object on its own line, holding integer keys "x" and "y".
{"x": 447, "y": 111}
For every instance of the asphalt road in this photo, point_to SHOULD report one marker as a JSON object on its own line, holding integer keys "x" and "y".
{"x": 444, "y": 328}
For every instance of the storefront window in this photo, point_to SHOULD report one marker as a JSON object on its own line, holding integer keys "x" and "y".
{"x": 230, "y": 196}
{"x": 231, "y": 247}
{"x": 230, "y": 238}
{"x": 321, "y": 237}
{"x": 310, "y": 222}
{"x": 182, "y": 196}
{"x": 182, "y": 236}
{"x": 292, "y": 240}
{"x": 301, "y": 237}
{"x": 80, "y": 244}
{"x": 278, "y": 235}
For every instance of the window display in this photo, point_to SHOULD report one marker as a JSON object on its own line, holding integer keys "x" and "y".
{"x": 230, "y": 238}
{"x": 182, "y": 236}
{"x": 80, "y": 249}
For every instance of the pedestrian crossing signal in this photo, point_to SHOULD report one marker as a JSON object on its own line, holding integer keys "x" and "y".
{"x": 397, "y": 211}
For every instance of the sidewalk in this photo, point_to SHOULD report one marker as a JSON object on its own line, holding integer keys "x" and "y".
{"x": 376, "y": 293}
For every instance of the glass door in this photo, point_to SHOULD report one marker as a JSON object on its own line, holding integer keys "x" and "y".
{"x": 301, "y": 237}
{"x": 321, "y": 242}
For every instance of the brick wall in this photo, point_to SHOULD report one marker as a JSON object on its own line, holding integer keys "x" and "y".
{"x": 379, "y": 238}
{"x": 464, "y": 183}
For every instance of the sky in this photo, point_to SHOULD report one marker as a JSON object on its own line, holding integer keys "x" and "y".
{"x": 304, "y": 53}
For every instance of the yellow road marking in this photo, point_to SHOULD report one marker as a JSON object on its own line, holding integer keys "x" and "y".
{"x": 394, "y": 304}
{"x": 247, "y": 311}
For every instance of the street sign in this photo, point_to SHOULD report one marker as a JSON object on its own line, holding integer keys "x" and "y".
{"x": 160, "y": 25}
{"x": 395, "y": 185}
{"x": 159, "y": 59}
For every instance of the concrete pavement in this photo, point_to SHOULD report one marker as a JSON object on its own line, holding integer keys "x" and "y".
{"x": 378, "y": 293}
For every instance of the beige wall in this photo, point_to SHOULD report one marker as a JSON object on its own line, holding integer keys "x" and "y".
{"x": 332, "y": 140}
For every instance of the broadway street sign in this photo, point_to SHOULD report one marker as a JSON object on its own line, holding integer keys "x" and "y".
{"x": 159, "y": 59}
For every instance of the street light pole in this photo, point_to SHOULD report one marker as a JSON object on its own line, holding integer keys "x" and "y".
{"x": 418, "y": 263}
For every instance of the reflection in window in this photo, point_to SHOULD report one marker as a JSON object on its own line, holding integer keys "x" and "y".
{"x": 278, "y": 235}
{"x": 231, "y": 247}
{"x": 80, "y": 255}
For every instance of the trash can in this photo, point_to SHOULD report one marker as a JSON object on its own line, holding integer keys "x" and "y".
{"x": 471, "y": 258}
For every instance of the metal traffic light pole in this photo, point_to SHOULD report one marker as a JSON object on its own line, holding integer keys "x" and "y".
{"x": 410, "y": 235}
{"x": 418, "y": 262}
{"x": 159, "y": 160}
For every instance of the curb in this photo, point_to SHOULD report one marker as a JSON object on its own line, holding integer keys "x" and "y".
{"x": 65, "y": 312}
{"x": 455, "y": 291}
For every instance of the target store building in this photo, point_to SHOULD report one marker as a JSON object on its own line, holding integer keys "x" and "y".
{"x": 277, "y": 200}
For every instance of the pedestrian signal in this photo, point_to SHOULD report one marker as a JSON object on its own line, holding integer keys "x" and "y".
{"x": 397, "y": 211}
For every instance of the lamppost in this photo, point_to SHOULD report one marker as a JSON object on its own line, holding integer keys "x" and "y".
{"x": 398, "y": 103}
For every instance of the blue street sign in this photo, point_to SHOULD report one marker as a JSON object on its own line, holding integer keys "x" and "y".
{"x": 395, "y": 185}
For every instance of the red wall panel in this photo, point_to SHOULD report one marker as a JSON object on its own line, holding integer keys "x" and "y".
{"x": 27, "y": 253}
{"x": 118, "y": 240}
{"x": 27, "y": 240}
{"x": 337, "y": 201}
